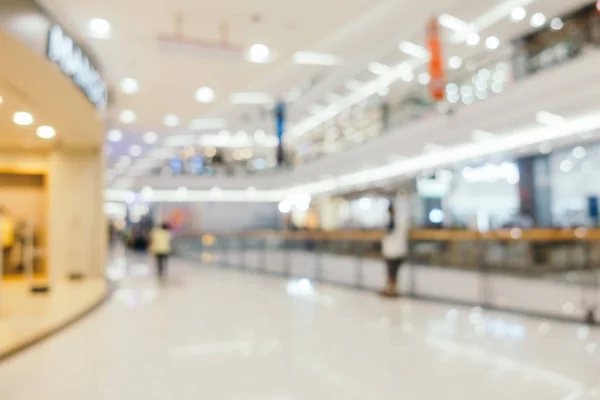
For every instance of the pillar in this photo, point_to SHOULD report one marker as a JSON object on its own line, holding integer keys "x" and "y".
{"x": 535, "y": 192}
{"x": 77, "y": 229}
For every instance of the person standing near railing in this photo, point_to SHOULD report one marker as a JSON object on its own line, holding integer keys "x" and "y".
{"x": 394, "y": 245}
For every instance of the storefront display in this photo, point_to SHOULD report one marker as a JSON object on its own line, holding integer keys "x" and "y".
{"x": 562, "y": 40}
{"x": 22, "y": 215}
{"x": 51, "y": 186}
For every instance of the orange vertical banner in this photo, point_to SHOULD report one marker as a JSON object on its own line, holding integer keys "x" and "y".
{"x": 437, "y": 85}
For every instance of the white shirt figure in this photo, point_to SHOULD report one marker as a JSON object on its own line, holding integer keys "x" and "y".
{"x": 395, "y": 242}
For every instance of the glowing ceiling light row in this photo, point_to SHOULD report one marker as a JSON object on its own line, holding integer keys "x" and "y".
{"x": 467, "y": 32}
{"x": 456, "y": 154}
{"x": 224, "y": 141}
{"x": 359, "y": 93}
{"x": 189, "y": 195}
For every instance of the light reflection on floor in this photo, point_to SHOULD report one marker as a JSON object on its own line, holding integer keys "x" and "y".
{"x": 209, "y": 333}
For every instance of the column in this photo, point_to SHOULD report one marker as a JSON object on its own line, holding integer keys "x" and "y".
{"x": 535, "y": 192}
{"x": 77, "y": 230}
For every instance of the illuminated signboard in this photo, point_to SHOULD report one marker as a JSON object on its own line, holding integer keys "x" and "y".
{"x": 72, "y": 61}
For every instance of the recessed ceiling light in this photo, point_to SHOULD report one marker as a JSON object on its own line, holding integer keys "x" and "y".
{"x": 492, "y": 42}
{"x": 127, "y": 116}
{"x": 22, "y": 118}
{"x": 150, "y": 137}
{"x": 484, "y": 74}
{"x": 312, "y": 58}
{"x": 45, "y": 132}
{"x": 482, "y": 94}
{"x": 259, "y": 53}
{"x": 129, "y": 86}
{"x": 452, "y": 88}
{"x": 566, "y": 166}
{"x": 205, "y": 95}
{"x": 538, "y": 20}
{"x": 497, "y": 87}
{"x": 250, "y": 98}
{"x": 518, "y": 14}
{"x": 99, "y": 28}
{"x": 115, "y": 135}
{"x": 378, "y": 68}
{"x": 408, "y": 75}
{"x": 455, "y": 62}
{"x": 171, "y": 120}
{"x": 135, "y": 150}
{"x": 424, "y": 78}
{"x": 1, "y": 100}
{"x": 473, "y": 39}
{"x": 587, "y": 167}
{"x": 556, "y": 24}
{"x": 579, "y": 152}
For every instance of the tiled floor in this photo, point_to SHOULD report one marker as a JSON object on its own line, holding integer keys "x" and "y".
{"x": 25, "y": 317}
{"x": 219, "y": 334}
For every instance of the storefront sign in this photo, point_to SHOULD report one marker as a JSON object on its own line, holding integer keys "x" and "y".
{"x": 551, "y": 46}
{"x": 63, "y": 51}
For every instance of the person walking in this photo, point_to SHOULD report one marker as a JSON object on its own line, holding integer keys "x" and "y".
{"x": 160, "y": 246}
{"x": 394, "y": 248}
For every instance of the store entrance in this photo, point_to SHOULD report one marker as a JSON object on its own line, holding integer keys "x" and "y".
{"x": 23, "y": 205}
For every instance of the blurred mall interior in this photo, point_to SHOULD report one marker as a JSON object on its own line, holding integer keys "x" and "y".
{"x": 304, "y": 159}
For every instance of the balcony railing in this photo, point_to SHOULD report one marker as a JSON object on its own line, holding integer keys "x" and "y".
{"x": 567, "y": 261}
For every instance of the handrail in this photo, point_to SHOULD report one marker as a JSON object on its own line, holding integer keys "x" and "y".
{"x": 461, "y": 265}
{"x": 441, "y": 235}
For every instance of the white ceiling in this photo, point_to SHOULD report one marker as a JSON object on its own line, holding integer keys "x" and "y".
{"x": 403, "y": 150}
{"x": 359, "y": 32}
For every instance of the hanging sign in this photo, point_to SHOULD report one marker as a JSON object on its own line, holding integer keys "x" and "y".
{"x": 73, "y": 62}
{"x": 437, "y": 84}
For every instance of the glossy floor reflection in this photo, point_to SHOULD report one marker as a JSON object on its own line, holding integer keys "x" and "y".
{"x": 211, "y": 333}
